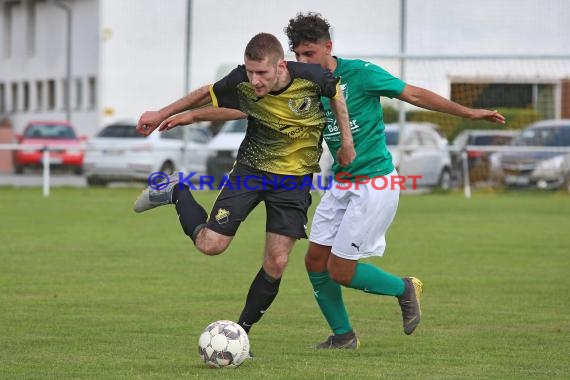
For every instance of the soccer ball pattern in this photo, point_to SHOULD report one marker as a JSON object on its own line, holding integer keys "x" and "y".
{"x": 223, "y": 344}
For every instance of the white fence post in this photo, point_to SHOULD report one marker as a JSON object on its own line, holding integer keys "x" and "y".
{"x": 46, "y": 174}
{"x": 466, "y": 183}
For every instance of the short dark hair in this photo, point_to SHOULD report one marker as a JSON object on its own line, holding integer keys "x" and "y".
{"x": 264, "y": 45}
{"x": 309, "y": 27}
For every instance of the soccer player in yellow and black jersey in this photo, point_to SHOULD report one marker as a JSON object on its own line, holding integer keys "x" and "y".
{"x": 280, "y": 152}
{"x": 284, "y": 126}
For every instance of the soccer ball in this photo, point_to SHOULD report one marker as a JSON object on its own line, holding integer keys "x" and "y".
{"x": 223, "y": 344}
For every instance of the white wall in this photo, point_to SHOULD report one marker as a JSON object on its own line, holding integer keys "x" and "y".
{"x": 222, "y": 28}
{"x": 137, "y": 49}
{"x": 142, "y": 61}
{"x": 489, "y": 26}
{"x": 41, "y": 56}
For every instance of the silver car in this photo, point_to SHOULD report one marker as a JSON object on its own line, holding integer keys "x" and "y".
{"x": 539, "y": 158}
{"x": 118, "y": 152}
{"x": 418, "y": 149}
{"x": 481, "y": 163}
{"x": 223, "y": 149}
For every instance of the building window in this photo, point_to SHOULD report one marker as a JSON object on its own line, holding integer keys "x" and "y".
{"x": 31, "y": 28}
{"x": 544, "y": 100}
{"x": 565, "y": 99}
{"x": 92, "y": 86}
{"x": 2, "y": 98}
{"x": 26, "y": 93}
{"x": 15, "y": 97}
{"x": 78, "y": 93}
{"x": 51, "y": 94}
{"x": 65, "y": 93}
{"x": 39, "y": 95}
{"x": 537, "y": 97}
{"x": 8, "y": 13}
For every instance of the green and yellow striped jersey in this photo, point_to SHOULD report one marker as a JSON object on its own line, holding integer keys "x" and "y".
{"x": 284, "y": 130}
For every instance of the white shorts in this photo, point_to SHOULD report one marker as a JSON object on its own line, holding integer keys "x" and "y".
{"x": 354, "y": 221}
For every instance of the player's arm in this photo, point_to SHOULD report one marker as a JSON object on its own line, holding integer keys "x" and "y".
{"x": 346, "y": 153}
{"x": 150, "y": 120}
{"x": 429, "y": 100}
{"x": 201, "y": 114}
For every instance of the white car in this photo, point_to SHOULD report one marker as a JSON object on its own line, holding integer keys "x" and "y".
{"x": 222, "y": 150}
{"x": 224, "y": 147}
{"x": 419, "y": 150}
{"x": 118, "y": 152}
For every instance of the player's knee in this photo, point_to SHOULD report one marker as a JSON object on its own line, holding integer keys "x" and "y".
{"x": 210, "y": 250}
{"x": 209, "y": 247}
{"x": 316, "y": 258}
{"x": 315, "y": 263}
{"x": 339, "y": 274}
{"x": 281, "y": 264}
{"x": 275, "y": 266}
{"x": 211, "y": 243}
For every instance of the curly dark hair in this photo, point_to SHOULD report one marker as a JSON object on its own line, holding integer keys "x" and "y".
{"x": 309, "y": 27}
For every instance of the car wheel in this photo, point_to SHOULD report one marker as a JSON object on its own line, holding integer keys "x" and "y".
{"x": 167, "y": 168}
{"x": 445, "y": 180}
{"x": 95, "y": 181}
{"x": 78, "y": 171}
{"x": 18, "y": 169}
{"x": 566, "y": 185}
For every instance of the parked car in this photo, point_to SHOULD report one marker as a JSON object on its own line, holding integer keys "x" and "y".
{"x": 419, "y": 149}
{"x": 544, "y": 168}
{"x": 478, "y": 160}
{"x": 67, "y": 153}
{"x": 223, "y": 148}
{"x": 118, "y": 152}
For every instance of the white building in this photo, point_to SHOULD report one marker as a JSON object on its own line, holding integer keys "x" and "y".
{"x": 128, "y": 56}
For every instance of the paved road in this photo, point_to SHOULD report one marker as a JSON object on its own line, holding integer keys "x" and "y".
{"x": 58, "y": 179}
{"x": 36, "y": 179}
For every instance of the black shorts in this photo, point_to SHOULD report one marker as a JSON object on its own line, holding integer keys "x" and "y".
{"x": 287, "y": 199}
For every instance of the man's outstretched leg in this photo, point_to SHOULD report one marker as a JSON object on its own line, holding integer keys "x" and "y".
{"x": 260, "y": 296}
{"x": 265, "y": 285}
{"x": 371, "y": 279}
{"x": 328, "y": 295}
{"x": 410, "y": 304}
{"x": 157, "y": 195}
{"x": 191, "y": 215}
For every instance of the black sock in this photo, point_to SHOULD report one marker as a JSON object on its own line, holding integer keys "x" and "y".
{"x": 191, "y": 215}
{"x": 262, "y": 292}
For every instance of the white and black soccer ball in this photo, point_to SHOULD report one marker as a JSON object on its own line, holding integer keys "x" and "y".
{"x": 223, "y": 344}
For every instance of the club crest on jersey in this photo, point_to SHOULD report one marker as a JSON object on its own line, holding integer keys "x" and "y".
{"x": 222, "y": 216}
{"x": 300, "y": 106}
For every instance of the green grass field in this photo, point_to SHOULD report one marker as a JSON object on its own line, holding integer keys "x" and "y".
{"x": 90, "y": 290}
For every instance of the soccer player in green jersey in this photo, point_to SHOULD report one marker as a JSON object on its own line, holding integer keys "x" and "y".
{"x": 335, "y": 244}
{"x": 285, "y": 121}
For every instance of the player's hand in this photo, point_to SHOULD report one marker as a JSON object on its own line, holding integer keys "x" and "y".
{"x": 148, "y": 122}
{"x": 345, "y": 154}
{"x": 492, "y": 116}
{"x": 184, "y": 118}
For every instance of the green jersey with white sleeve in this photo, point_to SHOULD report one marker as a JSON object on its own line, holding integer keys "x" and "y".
{"x": 362, "y": 84}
